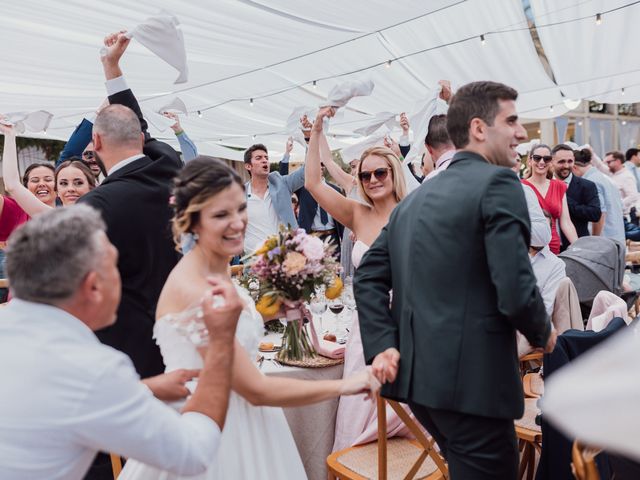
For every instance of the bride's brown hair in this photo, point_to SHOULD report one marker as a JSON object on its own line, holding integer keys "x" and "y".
{"x": 202, "y": 178}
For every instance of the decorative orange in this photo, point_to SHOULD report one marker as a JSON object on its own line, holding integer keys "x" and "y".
{"x": 268, "y": 305}
{"x": 335, "y": 289}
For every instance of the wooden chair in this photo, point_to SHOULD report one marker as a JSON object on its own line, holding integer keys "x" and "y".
{"x": 583, "y": 462}
{"x": 529, "y": 360}
{"x": 529, "y": 438}
{"x": 390, "y": 459}
{"x": 4, "y": 283}
{"x": 533, "y": 385}
{"x": 116, "y": 465}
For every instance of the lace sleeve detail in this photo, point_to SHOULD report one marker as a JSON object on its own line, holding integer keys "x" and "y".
{"x": 176, "y": 349}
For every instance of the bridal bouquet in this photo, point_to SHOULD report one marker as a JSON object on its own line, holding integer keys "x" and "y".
{"x": 287, "y": 269}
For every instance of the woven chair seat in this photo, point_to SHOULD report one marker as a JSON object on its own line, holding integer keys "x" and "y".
{"x": 528, "y": 420}
{"x": 401, "y": 454}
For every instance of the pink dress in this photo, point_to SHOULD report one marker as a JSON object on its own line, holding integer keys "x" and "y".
{"x": 357, "y": 417}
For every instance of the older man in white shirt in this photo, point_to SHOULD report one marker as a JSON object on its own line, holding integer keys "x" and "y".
{"x": 624, "y": 179}
{"x": 65, "y": 395}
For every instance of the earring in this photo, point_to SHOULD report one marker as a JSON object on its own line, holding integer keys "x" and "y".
{"x": 195, "y": 237}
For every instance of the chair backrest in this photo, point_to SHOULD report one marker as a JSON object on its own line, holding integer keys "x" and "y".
{"x": 4, "y": 283}
{"x": 418, "y": 433}
{"x": 116, "y": 465}
{"x": 583, "y": 462}
{"x": 566, "y": 308}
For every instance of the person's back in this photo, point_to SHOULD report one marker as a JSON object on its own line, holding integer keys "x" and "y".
{"x": 614, "y": 219}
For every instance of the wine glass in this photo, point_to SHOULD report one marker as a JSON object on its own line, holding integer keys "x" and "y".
{"x": 318, "y": 305}
{"x": 336, "y": 306}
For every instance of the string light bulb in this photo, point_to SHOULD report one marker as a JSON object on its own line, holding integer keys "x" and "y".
{"x": 315, "y": 84}
{"x": 551, "y": 108}
{"x": 388, "y": 64}
{"x": 253, "y": 137}
{"x": 482, "y": 40}
{"x": 251, "y": 102}
{"x": 580, "y": 123}
{"x": 622, "y": 91}
{"x": 199, "y": 114}
{"x": 624, "y": 122}
{"x": 598, "y": 19}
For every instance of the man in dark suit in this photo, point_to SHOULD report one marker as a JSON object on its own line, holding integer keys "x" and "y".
{"x": 134, "y": 202}
{"x": 456, "y": 259}
{"x": 582, "y": 194}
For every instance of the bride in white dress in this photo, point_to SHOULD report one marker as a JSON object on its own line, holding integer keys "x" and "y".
{"x": 256, "y": 442}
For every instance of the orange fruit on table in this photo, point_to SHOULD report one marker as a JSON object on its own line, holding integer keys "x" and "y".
{"x": 335, "y": 289}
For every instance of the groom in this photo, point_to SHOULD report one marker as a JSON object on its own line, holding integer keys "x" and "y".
{"x": 455, "y": 255}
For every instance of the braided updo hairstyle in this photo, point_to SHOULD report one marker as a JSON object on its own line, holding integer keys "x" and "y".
{"x": 202, "y": 178}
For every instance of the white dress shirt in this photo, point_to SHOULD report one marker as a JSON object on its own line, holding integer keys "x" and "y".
{"x": 66, "y": 396}
{"x": 626, "y": 183}
{"x": 263, "y": 220}
{"x": 441, "y": 164}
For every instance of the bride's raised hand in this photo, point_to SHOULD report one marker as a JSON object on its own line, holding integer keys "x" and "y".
{"x": 362, "y": 382}
{"x": 221, "y": 307}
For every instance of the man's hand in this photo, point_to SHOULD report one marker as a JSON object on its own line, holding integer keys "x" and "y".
{"x": 404, "y": 124}
{"x": 221, "y": 308}
{"x": 170, "y": 387}
{"x": 306, "y": 126}
{"x": 362, "y": 382}
{"x": 115, "y": 46}
{"x": 385, "y": 365}
{"x": 391, "y": 144}
{"x": 446, "y": 92}
{"x": 551, "y": 342}
{"x": 289, "y": 146}
{"x": 176, "y": 127}
{"x": 7, "y": 130}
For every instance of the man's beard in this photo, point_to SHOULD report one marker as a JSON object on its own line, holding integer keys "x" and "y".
{"x": 100, "y": 163}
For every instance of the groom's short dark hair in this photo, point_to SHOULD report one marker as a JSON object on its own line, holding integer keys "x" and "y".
{"x": 475, "y": 100}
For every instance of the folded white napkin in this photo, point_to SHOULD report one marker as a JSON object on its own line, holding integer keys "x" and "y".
{"x": 340, "y": 95}
{"x": 174, "y": 106}
{"x": 162, "y": 35}
{"x": 33, "y": 121}
{"x": 420, "y": 122}
{"x": 355, "y": 151}
{"x": 159, "y": 122}
{"x": 387, "y": 119}
{"x": 293, "y": 123}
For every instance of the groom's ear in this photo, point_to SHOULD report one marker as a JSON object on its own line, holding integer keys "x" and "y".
{"x": 90, "y": 287}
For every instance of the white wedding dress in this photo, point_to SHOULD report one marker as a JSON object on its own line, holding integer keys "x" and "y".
{"x": 256, "y": 442}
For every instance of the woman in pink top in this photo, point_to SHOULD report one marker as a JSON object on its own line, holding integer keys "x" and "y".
{"x": 551, "y": 195}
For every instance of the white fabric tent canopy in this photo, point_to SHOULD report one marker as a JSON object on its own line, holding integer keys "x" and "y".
{"x": 273, "y": 51}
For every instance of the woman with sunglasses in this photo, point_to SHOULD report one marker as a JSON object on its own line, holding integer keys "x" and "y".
{"x": 38, "y": 190}
{"x": 551, "y": 195}
{"x": 381, "y": 185}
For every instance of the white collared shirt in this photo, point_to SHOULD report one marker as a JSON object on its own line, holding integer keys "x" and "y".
{"x": 568, "y": 179}
{"x": 263, "y": 220}
{"x": 124, "y": 163}
{"x": 65, "y": 396}
{"x": 441, "y": 164}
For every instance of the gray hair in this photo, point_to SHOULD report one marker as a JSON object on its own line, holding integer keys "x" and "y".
{"x": 118, "y": 124}
{"x": 48, "y": 257}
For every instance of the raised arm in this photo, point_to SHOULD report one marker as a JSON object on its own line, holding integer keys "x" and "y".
{"x": 283, "y": 166}
{"x": 187, "y": 147}
{"x": 12, "y": 184}
{"x": 340, "y": 208}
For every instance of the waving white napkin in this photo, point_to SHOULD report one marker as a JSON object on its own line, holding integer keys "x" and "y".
{"x": 159, "y": 122}
{"x": 387, "y": 119}
{"x": 33, "y": 121}
{"x": 420, "y": 121}
{"x": 355, "y": 151}
{"x": 174, "y": 106}
{"x": 162, "y": 35}
{"x": 340, "y": 95}
{"x": 293, "y": 123}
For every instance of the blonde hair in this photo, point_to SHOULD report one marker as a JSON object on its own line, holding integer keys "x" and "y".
{"x": 399, "y": 181}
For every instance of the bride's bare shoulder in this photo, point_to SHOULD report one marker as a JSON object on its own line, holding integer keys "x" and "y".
{"x": 182, "y": 289}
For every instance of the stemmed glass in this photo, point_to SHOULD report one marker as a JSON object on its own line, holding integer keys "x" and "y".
{"x": 318, "y": 305}
{"x": 336, "y": 306}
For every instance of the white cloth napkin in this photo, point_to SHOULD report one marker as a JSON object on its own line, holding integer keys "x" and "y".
{"x": 596, "y": 397}
{"x": 33, "y": 121}
{"x": 420, "y": 122}
{"x": 293, "y": 123}
{"x": 355, "y": 151}
{"x": 340, "y": 95}
{"x": 387, "y": 119}
{"x": 159, "y": 122}
{"x": 174, "y": 106}
{"x": 162, "y": 35}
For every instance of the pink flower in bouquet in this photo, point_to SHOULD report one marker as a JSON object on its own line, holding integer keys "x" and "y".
{"x": 312, "y": 247}
{"x": 294, "y": 263}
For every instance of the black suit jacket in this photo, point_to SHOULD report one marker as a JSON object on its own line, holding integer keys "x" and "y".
{"x": 134, "y": 202}
{"x": 584, "y": 206}
{"x": 455, "y": 253}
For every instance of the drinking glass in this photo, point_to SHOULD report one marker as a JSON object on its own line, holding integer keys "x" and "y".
{"x": 318, "y": 305}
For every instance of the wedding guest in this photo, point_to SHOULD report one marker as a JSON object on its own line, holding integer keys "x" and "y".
{"x": 582, "y": 194}
{"x": 624, "y": 179}
{"x": 611, "y": 223}
{"x": 551, "y": 195}
{"x": 256, "y": 442}
{"x": 66, "y": 396}
{"x": 268, "y": 196}
{"x": 439, "y": 145}
{"x": 632, "y": 162}
{"x": 382, "y": 186}
{"x": 72, "y": 179}
{"x": 187, "y": 147}
{"x": 451, "y": 352}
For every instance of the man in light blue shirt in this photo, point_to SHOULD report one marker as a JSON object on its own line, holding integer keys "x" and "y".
{"x": 611, "y": 224}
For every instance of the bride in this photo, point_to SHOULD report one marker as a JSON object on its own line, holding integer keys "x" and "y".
{"x": 256, "y": 443}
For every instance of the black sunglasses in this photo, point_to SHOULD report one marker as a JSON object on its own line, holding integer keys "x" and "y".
{"x": 88, "y": 154}
{"x": 379, "y": 173}
{"x": 537, "y": 158}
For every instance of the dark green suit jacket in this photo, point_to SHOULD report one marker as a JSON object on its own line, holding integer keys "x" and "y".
{"x": 455, "y": 253}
